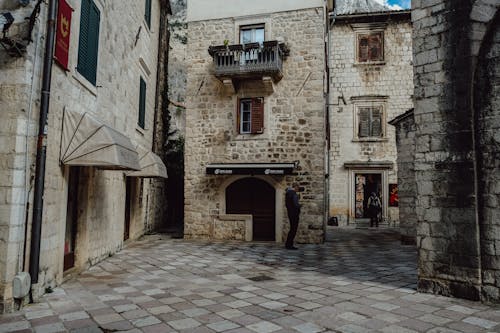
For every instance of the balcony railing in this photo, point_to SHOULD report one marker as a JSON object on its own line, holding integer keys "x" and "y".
{"x": 251, "y": 60}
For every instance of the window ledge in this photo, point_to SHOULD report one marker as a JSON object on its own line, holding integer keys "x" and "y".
{"x": 85, "y": 83}
{"x": 140, "y": 130}
{"x": 145, "y": 24}
{"x": 370, "y": 140}
{"x": 370, "y": 63}
{"x": 247, "y": 137}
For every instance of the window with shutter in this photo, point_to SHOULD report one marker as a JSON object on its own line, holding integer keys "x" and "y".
{"x": 257, "y": 115}
{"x": 376, "y": 122}
{"x": 245, "y": 116}
{"x": 363, "y": 49}
{"x": 142, "y": 104}
{"x": 89, "y": 41}
{"x": 364, "y": 122}
{"x": 147, "y": 13}
{"x": 250, "y": 116}
{"x": 370, "y": 47}
{"x": 370, "y": 122}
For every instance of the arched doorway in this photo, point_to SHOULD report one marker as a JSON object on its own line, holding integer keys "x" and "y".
{"x": 256, "y": 197}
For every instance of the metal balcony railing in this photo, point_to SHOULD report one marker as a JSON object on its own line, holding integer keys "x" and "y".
{"x": 252, "y": 60}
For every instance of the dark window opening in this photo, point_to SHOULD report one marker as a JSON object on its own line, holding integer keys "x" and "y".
{"x": 142, "y": 104}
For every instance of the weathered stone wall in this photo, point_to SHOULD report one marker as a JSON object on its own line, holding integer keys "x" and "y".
{"x": 124, "y": 55}
{"x": 177, "y": 67}
{"x": 393, "y": 80}
{"x": 455, "y": 252}
{"x": 405, "y": 139}
{"x": 487, "y": 120}
{"x": 294, "y": 119}
{"x": 19, "y": 105}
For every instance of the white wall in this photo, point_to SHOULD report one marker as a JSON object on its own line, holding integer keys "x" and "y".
{"x": 198, "y": 10}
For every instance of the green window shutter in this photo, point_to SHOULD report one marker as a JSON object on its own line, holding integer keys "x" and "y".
{"x": 83, "y": 45}
{"x": 142, "y": 104}
{"x": 89, "y": 41}
{"x": 147, "y": 13}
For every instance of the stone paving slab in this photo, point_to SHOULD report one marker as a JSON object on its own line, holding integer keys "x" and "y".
{"x": 358, "y": 281}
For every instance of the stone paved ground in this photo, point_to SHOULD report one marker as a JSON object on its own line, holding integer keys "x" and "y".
{"x": 359, "y": 281}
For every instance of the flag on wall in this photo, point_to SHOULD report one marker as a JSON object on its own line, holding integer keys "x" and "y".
{"x": 63, "y": 30}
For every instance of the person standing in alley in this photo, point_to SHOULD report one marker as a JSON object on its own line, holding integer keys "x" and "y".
{"x": 374, "y": 208}
{"x": 293, "y": 210}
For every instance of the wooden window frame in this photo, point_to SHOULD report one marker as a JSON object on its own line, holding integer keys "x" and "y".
{"x": 252, "y": 27}
{"x": 256, "y": 116}
{"x": 358, "y": 118}
{"x": 368, "y": 35}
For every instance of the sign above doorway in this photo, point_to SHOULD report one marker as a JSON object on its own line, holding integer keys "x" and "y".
{"x": 251, "y": 168}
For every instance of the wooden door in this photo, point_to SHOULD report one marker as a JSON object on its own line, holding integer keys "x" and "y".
{"x": 71, "y": 218}
{"x": 256, "y": 197}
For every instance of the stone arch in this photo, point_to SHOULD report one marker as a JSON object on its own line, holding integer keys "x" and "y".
{"x": 279, "y": 188}
{"x": 486, "y": 109}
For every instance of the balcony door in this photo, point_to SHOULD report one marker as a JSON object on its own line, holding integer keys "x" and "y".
{"x": 252, "y": 34}
{"x": 248, "y": 35}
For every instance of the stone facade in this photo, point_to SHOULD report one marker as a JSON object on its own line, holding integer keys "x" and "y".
{"x": 128, "y": 50}
{"x": 387, "y": 84}
{"x": 405, "y": 139}
{"x": 294, "y": 122}
{"x": 456, "y": 161}
{"x": 177, "y": 67}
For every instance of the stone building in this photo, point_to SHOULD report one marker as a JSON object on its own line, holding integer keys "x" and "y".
{"x": 255, "y": 118}
{"x": 371, "y": 80}
{"x": 457, "y": 145}
{"x": 407, "y": 192}
{"x": 98, "y": 137}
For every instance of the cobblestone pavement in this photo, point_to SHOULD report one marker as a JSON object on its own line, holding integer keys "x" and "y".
{"x": 359, "y": 281}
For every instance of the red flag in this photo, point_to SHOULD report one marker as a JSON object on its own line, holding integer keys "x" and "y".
{"x": 63, "y": 32}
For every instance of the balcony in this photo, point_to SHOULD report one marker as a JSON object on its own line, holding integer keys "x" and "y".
{"x": 249, "y": 61}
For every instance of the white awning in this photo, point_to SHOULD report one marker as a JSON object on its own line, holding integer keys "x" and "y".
{"x": 86, "y": 141}
{"x": 151, "y": 165}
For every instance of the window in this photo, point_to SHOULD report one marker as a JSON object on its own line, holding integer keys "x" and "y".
{"x": 142, "y": 104}
{"x": 370, "y": 122}
{"x": 147, "y": 13}
{"x": 252, "y": 34}
{"x": 251, "y": 116}
{"x": 89, "y": 41}
{"x": 370, "y": 47}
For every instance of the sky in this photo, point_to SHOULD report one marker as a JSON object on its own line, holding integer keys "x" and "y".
{"x": 396, "y": 4}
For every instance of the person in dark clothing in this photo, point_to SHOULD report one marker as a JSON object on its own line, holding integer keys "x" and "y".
{"x": 374, "y": 208}
{"x": 293, "y": 210}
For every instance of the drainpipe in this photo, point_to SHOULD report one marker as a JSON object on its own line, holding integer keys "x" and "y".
{"x": 41, "y": 154}
{"x": 327, "y": 117}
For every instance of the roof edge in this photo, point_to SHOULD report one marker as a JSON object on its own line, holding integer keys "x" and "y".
{"x": 400, "y": 14}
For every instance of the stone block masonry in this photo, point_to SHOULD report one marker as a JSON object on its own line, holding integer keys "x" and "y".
{"x": 293, "y": 121}
{"x": 456, "y": 160}
{"x": 122, "y": 60}
{"x": 388, "y": 84}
